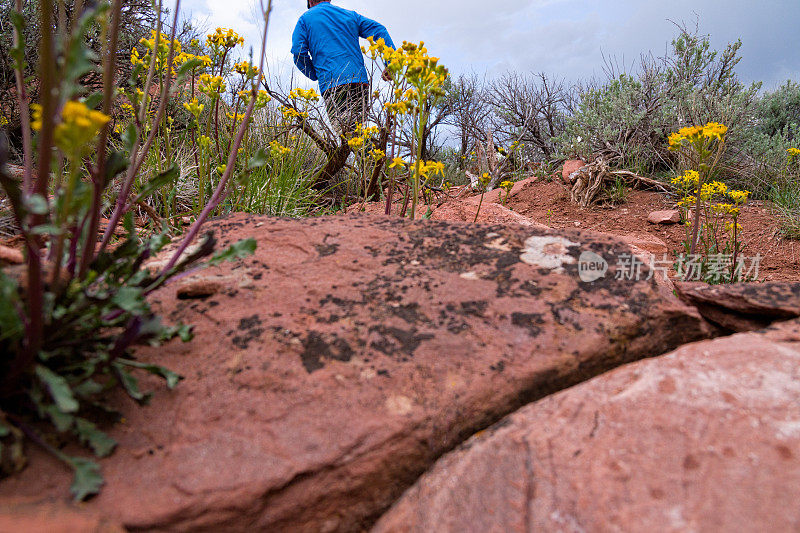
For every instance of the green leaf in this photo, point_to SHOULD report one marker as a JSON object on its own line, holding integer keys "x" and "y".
{"x": 61, "y": 421}
{"x": 259, "y": 159}
{"x": 159, "y": 182}
{"x": 101, "y": 444}
{"x": 171, "y": 377}
{"x": 10, "y": 323}
{"x": 87, "y": 480}
{"x": 129, "y": 137}
{"x": 5, "y": 431}
{"x": 238, "y": 250}
{"x": 130, "y": 383}
{"x": 59, "y": 389}
{"x": 117, "y": 162}
{"x": 188, "y": 67}
{"x": 37, "y": 204}
{"x": 94, "y": 100}
{"x": 88, "y": 389}
{"x": 47, "y": 229}
{"x": 130, "y": 299}
{"x": 18, "y": 52}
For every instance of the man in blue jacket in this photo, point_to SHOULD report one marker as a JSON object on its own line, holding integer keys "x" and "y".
{"x": 325, "y": 47}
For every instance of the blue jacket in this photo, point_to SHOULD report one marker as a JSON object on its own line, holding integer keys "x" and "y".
{"x": 325, "y": 45}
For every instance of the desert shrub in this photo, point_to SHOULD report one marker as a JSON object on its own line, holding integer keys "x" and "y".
{"x": 627, "y": 117}
{"x": 70, "y": 318}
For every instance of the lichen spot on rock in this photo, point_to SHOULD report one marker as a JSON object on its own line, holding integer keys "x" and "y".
{"x": 548, "y": 252}
{"x": 399, "y": 405}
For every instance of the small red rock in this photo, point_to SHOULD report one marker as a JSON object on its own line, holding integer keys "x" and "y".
{"x": 571, "y": 166}
{"x": 670, "y": 216}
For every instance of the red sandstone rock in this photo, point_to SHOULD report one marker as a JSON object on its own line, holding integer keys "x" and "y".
{"x": 490, "y": 213}
{"x": 648, "y": 243}
{"x": 350, "y": 353}
{"x": 706, "y": 438}
{"x": 743, "y": 306}
{"x": 672, "y": 216}
{"x": 571, "y": 166}
{"x": 21, "y": 517}
{"x": 11, "y": 256}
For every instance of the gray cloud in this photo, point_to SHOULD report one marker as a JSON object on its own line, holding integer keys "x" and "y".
{"x": 566, "y": 38}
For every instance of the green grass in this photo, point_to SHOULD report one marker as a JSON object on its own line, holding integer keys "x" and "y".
{"x": 785, "y": 199}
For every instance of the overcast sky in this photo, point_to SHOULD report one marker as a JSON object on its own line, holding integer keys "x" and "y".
{"x": 565, "y": 38}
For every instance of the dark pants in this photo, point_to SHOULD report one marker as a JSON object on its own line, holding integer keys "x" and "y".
{"x": 347, "y": 105}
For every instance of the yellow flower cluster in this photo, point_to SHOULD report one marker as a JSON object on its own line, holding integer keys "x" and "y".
{"x": 184, "y": 57}
{"x": 398, "y": 162}
{"x": 430, "y": 168}
{"x": 161, "y": 53}
{"x": 290, "y": 113}
{"x": 79, "y": 125}
{"x": 278, "y": 149}
{"x": 412, "y": 62}
{"x": 224, "y": 38}
{"x": 3, "y": 121}
{"x": 246, "y": 69}
{"x": 194, "y": 107}
{"x": 309, "y": 95}
{"x": 693, "y": 134}
{"x": 212, "y": 85}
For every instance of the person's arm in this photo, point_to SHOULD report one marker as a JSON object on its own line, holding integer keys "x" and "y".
{"x": 376, "y": 30}
{"x": 302, "y": 59}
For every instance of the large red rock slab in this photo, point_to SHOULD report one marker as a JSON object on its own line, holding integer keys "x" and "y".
{"x": 339, "y": 362}
{"x": 706, "y": 438}
{"x": 51, "y": 517}
{"x": 743, "y": 307}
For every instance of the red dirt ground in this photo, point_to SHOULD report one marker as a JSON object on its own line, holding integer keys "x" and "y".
{"x": 549, "y": 203}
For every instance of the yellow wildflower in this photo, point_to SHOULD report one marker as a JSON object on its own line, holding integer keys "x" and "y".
{"x": 79, "y": 125}
{"x": 738, "y": 197}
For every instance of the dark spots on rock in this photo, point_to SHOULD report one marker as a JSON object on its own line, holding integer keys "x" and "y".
{"x": 408, "y": 312}
{"x": 384, "y": 373}
{"x": 249, "y": 326}
{"x": 394, "y": 341}
{"x": 529, "y": 321}
{"x": 249, "y": 322}
{"x": 325, "y": 250}
{"x": 667, "y": 386}
{"x": 257, "y": 276}
{"x": 474, "y": 308}
{"x": 506, "y": 260}
{"x": 498, "y": 366}
{"x": 784, "y": 452}
{"x": 690, "y": 463}
{"x": 213, "y": 303}
{"x": 318, "y": 346}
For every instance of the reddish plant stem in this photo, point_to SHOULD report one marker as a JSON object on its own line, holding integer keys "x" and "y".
{"x": 138, "y": 156}
{"x": 98, "y": 175}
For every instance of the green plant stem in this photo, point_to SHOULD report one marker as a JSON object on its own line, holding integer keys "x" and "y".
{"x": 480, "y": 202}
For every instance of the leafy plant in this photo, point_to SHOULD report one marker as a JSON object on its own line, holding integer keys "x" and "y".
{"x": 417, "y": 85}
{"x": 69, "y": 321}
{"x": 713, "y": 232}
